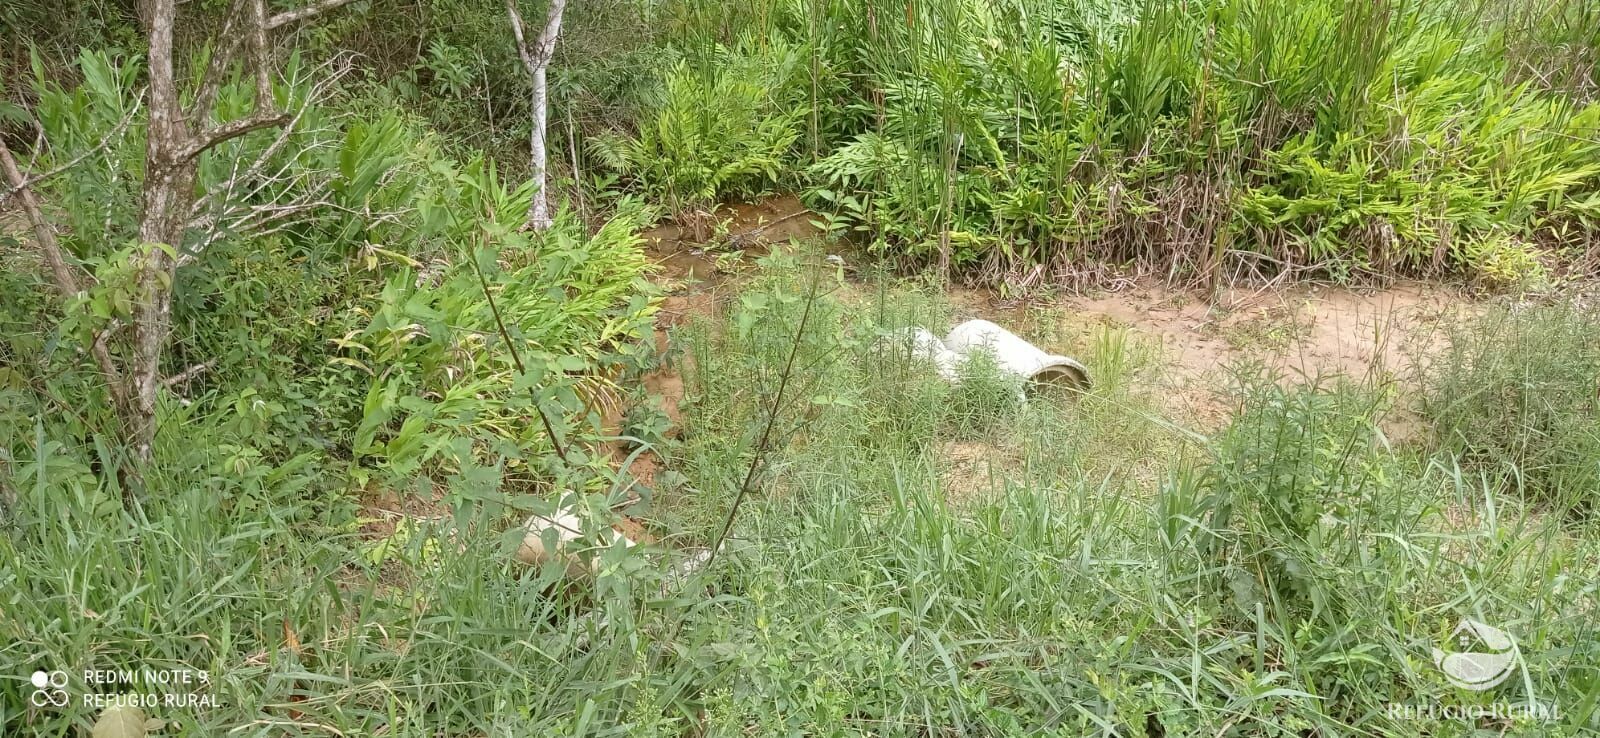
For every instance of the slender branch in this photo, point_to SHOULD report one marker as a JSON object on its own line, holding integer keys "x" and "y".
{"x": 300, "y": 14}
{"x": 65, "y": 279}
{"x": 221, "y": 59}
{"x": 516, "y": 358}
{"x": 253, "y": 173}
{"x": 189, "y": 373}
{"x": 522, "y": 42}
{"x": 228, "y": 131}
{"x": 105, "y": 142}
{"x": 739, "y": 238}
{"x": 249, "y": 179}
{"x": 256, "y": 37}
{"x": 772, "y": 419}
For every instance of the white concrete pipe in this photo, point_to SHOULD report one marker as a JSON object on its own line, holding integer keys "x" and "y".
{"x": 927, "y": 347}
{"x": 1015, "y": 355}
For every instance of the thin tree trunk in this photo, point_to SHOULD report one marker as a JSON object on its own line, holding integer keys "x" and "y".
{"x": 539, "y": 209}
{"x": 167, "y": 195}
{"x": 168, "y": 186}
{"x": 536, "y": 60}
{"x": 63, "y": 273}
{"x": 577, "y": 171}
{"x": 947, "y": 203}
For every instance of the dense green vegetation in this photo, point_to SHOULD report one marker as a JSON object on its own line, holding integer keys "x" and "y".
{"x": 1202, "y": 139}
{"x": 1113, "y": 574}
{"x": 375, "y": 372}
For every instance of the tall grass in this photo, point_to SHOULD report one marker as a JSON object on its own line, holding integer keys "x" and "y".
{"x": 1514, "y": 392}
{"x": 335, "y": 496}
{"x": 1106, "y": 573}
{"x": 1202, "y": 140}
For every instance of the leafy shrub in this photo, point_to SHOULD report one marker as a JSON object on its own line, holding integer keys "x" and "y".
{"x": 1506, "y": 263}
{"x": 1354, "y": 137}
{"x": 344, "y": 322}
{"x": 716, "y": 132}
{"x": 1514, "y": 392}
{"x": 442, "y": 383}
{"x": 880, "y": 189}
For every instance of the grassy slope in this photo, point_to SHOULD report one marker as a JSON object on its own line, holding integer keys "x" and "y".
{"x": 1107, "y": 572}
{"x": 914, "y": 561}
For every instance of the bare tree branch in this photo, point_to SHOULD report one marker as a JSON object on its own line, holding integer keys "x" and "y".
{"x": 188, "y": 374}
{"x": 300, "y": 14}
{"x": 522, "y": 42}
{"x": 63, "y": 273}
{"x": 221, "y": 59}
{"x": 105, "y": 142}
{"x": 65, "y": 279}
{"x": 248, "y": 180}
{"x": 231, "y": 130}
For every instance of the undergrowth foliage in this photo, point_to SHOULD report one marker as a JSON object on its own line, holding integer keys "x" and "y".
{"x": 1515, "y": 392}
{"x": 334, "y": 355}
{"x": 1292, "y": 472}
{"x": 1284, "y": 580}
{"x": 715, "y": 133}
{"x": 1204, "y": 140}
{"x": 1104, "y": 572}
{"x": 359, "y": 308}
{"x": 367, "y": 347}
{"x": 1198, "y": 139}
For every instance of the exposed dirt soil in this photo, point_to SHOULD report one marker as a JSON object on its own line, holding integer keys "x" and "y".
{"x": 692, "y": 272}
{"x": 1195, "y": 340}
{"x": 973, "y": 471}
{"x": 1297, "y": 333}
{"x": 700, "y": 254}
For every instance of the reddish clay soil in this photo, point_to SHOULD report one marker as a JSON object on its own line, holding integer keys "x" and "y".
{"x": 692, "y": 273}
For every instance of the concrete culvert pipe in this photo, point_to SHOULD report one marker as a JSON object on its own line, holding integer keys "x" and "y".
{"x": 924, "y": 346}
{"x": 1017, "y": 356}
{"x": 561, "y": 535}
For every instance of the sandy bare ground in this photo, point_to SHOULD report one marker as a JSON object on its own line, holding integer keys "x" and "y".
{"x": 1189, "y": 344}
{"x": 1296, "y": 332}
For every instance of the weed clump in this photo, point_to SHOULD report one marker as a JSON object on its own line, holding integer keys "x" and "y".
{"x": 1295, "y": 463}
{"x": 1514, "y": 392}
{"x": 984, "y": 398}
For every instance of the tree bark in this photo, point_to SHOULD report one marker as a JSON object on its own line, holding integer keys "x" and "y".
{"x": 537, "y": 60}
{"x": 168, "y": 185}
{"x": 172, "y": 156}
{"x": 61, "y": 272}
